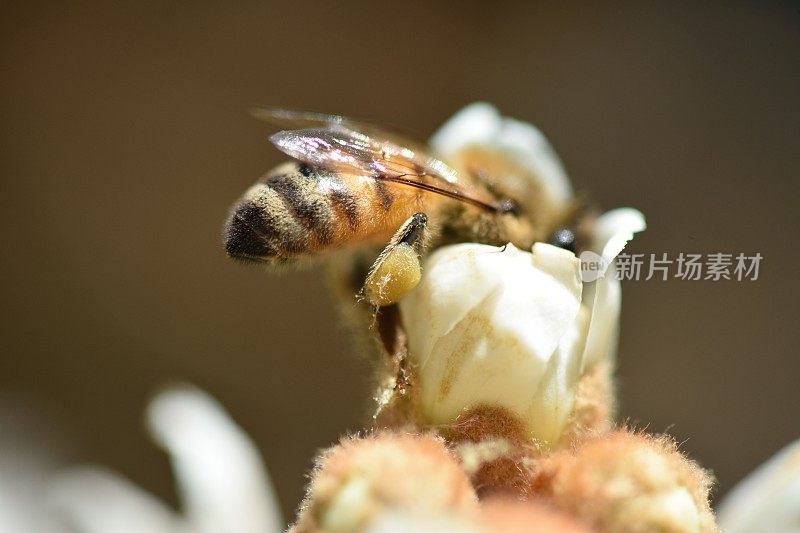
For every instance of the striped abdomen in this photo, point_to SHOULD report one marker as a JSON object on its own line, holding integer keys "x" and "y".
{"x": 297, "y": 210}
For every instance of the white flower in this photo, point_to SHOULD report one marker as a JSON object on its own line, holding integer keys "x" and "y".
{"x": 509, "y": 328}
{"x": 221, "y": 479}
{"x": 480, "y": 124}
{"x": 766, "y": 500}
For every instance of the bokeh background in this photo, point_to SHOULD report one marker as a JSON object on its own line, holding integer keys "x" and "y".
{"x": 125, "y": 139}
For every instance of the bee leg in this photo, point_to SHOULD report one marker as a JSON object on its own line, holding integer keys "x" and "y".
{"x": 397, "y": 269}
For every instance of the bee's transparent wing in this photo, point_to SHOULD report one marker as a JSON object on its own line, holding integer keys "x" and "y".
{"x": 292, "y": 119}
{"x": 338, "y": 148}
{"x": 341, "y": 150}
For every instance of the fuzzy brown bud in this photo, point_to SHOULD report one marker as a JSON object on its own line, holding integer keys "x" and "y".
{"x": 363, "y": 478}
{"x": 626, "y": 482}
{"x": 512, "y": 516}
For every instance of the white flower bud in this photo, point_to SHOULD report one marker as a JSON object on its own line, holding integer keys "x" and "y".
{"x": 506, "y": 328}
{"x": 498, "y": 327}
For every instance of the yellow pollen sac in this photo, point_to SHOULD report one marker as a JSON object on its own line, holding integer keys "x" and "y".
{"x": 398, "y": 273}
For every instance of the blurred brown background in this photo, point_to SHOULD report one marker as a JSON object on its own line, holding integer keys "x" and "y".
{"x": 125, "y": 139}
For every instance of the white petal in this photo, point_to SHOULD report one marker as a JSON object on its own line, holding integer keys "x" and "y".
{"x": 484, "y": 326}
{"x": 221, "y": 477}
{"x": 99, "y": 501}
{"x": 766, "y": 500}
{"x": 613, "y": 230}
{"x": 23, "y": 471}
{"x": 481, "y": 124}
{"x": 477, "y": 123}
{"x": 532, "y": 148}
{"x": 552, "y": 403}
{"x": 605, "y": 302}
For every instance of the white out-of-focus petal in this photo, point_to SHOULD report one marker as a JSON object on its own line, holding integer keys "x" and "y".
{"x": 221, "y": 478}
{"x": 613, "y": 231}
{"x": 30, "y": 449}
{"x": 99, "y": 501}
{"x": 766, "y": 500}
{"x": 488, "y": 326}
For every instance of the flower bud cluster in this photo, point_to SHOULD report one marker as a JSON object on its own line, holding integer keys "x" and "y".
{"x": 496, "y": 412}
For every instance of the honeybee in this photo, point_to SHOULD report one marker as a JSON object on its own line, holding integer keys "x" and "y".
{"x": 353, "y": 185}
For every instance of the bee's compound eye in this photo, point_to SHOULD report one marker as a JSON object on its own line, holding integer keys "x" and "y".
{"x": 564, "y": 238}
{"x": 509, "y": 206}
{"x": 305, "y": 170}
